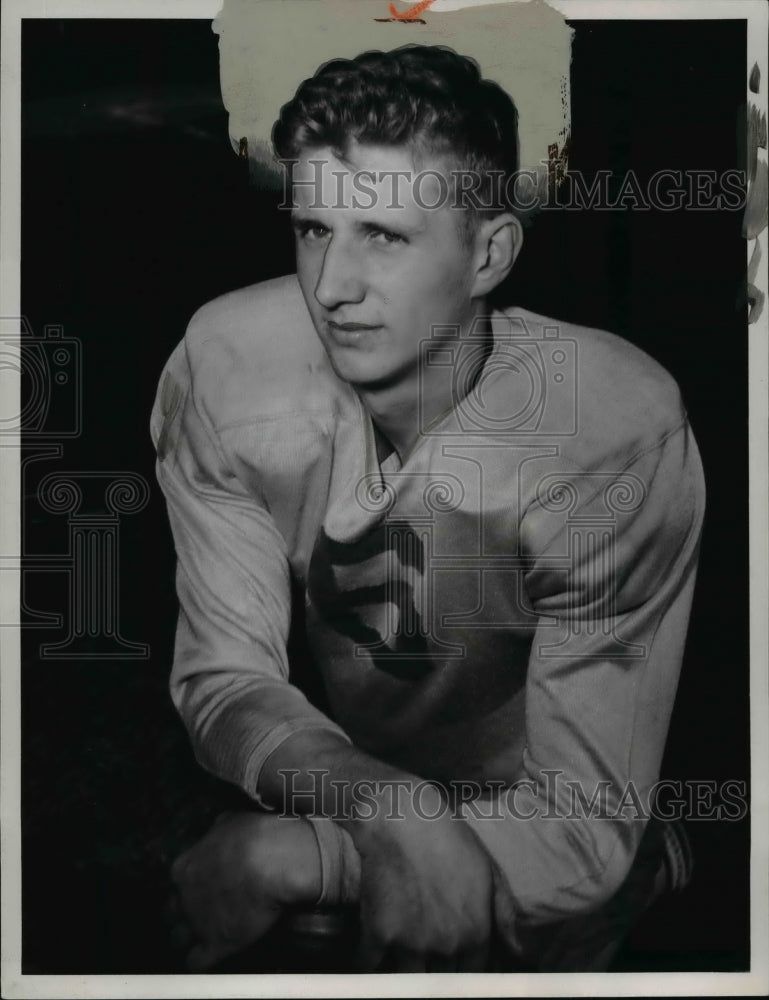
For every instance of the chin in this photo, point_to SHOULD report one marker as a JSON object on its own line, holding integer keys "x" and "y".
{"x": 365, "y": 373}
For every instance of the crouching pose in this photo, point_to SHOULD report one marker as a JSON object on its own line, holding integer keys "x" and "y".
{"x": 489, "y": 521}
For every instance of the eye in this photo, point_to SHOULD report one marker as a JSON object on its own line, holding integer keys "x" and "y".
{"x": 311, "y": 231}
{"x": 387, "y": 236}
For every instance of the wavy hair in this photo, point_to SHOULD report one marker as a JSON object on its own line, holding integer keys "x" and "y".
{"x": 427, "y": 97}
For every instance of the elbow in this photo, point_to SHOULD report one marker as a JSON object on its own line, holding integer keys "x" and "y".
{"x": 605, "y": 851}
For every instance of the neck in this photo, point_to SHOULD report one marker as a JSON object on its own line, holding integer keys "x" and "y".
{"x": 398, "y": 411}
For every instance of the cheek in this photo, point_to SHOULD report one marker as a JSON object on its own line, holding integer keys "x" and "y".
{"x": 306, "y": 273}
{"x": 436, "y": 293}
{"x": 446, "y": 268}
{"x": 302, "y": 259}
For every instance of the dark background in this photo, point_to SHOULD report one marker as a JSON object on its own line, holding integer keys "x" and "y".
{"x": 135, "y": 212}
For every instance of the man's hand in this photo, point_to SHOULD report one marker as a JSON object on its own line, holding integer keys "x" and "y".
{"x": 426, "y": 890}
{"x": 235, "y": 882}
{"x": 426, "y": 886}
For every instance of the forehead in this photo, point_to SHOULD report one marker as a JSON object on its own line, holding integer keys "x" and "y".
{"x": 378, "y": 182}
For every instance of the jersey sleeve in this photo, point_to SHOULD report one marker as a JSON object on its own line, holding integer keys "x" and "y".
{"x": 612, "y": 557}
{"x": 229, "y": 679}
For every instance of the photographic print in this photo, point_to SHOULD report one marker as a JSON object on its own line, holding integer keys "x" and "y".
{"x": 384, "y": 553}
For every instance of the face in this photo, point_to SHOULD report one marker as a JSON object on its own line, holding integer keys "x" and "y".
{"x": 377, "y": 267}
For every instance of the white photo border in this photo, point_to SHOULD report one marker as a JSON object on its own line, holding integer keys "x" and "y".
{"x": 14, "y": 982}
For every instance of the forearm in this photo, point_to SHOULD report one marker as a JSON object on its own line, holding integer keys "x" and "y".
{"x": 424, "y": 889}
{"x": 236, "y": 718}
{"x": 350, "y": 798}
{"x": 318, "y": 772}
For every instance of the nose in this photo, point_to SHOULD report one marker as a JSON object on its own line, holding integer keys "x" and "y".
{"x": 341, "y": 278}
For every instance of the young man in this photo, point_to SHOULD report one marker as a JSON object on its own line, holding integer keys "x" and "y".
{"x": 493, "y": 520}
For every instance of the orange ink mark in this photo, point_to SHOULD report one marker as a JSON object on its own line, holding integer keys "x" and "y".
{"x": 412, "y": 14}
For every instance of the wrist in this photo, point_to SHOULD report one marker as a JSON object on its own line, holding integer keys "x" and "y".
{"x": 295, "y": 863}
{"x": 392, "y": 805}
{"x": 339, "y": 863}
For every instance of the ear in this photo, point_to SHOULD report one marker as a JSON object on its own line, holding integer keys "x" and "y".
{"x": 498, "y": 242}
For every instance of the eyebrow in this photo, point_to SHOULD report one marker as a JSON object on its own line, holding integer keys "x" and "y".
{"x": 378, "y": 227}
{"x": 301, "y": 217}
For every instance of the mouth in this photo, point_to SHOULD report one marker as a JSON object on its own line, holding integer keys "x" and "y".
{"x": 350, "y": 327}
{"x": 350, "y": 333}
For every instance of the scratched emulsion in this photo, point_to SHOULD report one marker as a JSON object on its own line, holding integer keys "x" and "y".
{"x": 755, "y": 218}
{"x": 756, "y": 296}
{"x": 267, "y": 47}
{"x": 756, "y": 137}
